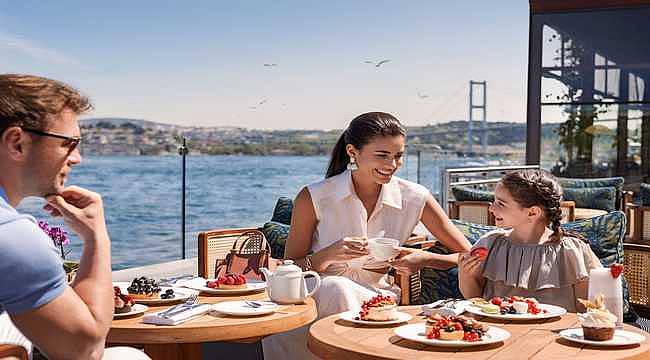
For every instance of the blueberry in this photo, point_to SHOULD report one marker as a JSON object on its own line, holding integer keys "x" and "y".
{"x": 169, "y": 291}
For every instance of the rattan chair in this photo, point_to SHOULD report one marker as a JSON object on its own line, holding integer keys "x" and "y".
{"x": 10, "y": 351}
{"x": 639, "y": 220}
{"x": 637, "y": 263}
{"x": 215, "y": 245}
{"x": 477, "y": 212}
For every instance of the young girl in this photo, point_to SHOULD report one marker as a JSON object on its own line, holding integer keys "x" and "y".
{"x": 534, "y": 257}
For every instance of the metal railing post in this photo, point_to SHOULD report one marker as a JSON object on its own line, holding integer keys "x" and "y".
{"x": 182, "y": 150}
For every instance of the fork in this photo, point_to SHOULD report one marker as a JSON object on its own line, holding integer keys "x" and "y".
{"x": 188, "y": 303}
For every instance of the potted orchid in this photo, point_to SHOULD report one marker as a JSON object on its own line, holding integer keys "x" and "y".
{"x": 60, "y": 238}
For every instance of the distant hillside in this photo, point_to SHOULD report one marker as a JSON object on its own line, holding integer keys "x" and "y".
{"x": 138, "y": 136}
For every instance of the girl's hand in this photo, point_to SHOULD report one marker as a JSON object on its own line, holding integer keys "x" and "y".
{"x": 346, "y": 249}
{"x": 470, "y": 275}
{"x": 470, "y": 266}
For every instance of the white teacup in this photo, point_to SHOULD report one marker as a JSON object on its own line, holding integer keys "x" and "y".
{"x": 383, "y": 249}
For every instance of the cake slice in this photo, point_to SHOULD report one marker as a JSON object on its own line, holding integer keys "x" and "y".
{"x": 379, "y": 308}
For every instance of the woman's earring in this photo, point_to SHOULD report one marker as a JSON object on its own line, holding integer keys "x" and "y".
{"x": 352, "y": 165}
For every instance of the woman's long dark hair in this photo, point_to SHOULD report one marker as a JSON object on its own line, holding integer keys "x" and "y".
{"x": 360, "y": 132}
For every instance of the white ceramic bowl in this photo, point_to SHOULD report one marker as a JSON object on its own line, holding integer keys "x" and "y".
{"x": 383, "y": 249}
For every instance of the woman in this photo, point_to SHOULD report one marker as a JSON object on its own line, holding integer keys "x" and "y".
{"x": 360, "y": 198}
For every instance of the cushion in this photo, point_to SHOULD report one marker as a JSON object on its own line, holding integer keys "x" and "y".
{"x": 276, "y": 234}
{"x": 605, "y": 235}
{"x": 616, "y": 182}
{"x": 602, "y": 198}
{"x": 465, "y": 193}
{"x": 282, "y": 211}
{"x": 644, "y": 194}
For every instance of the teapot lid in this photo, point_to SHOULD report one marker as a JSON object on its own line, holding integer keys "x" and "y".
{"x": 287, "y": 267}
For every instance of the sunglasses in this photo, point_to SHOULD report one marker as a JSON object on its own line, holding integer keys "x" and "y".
{"x": 71, "y": 142}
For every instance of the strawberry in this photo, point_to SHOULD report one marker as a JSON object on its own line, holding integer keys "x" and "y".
{"x": 481, "y": 252}
{"x": 616, "y": 270}
{"x": 496, "y": 301}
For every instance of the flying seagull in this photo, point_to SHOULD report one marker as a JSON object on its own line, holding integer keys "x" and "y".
{"x": 377, "y": 64}
{"x": 270, "y": 65}
{"x": 258, "y": 104}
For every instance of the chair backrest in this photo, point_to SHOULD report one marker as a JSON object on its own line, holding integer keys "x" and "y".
{"x": 248, "y": 254}
{"x": 12, "y": 351}
{"x": 477, "y": 212}
{"x": 471, "y": 211}
{"x": 216, "y": 244}
{"x": 639, "y": 223}
{"x": 637, "y": 263}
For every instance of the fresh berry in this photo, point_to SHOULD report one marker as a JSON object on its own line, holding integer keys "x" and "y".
{"x": 496, "y": 301}
{"x": 616, "y": 270}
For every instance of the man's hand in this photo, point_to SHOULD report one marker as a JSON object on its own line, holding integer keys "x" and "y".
{"x": 81, "y": 209}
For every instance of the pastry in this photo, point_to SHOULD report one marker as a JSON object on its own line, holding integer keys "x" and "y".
{"x": 598, "y": 324}
{"x": 144, "y": 288}
{"x": 123, "y": 302}
{"x": 379, "y": 308}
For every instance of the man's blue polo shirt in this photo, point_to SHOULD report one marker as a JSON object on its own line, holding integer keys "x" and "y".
{"x": 31, "y": 269}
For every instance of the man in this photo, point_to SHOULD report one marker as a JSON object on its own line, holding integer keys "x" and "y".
{"x": 39, "y": 138}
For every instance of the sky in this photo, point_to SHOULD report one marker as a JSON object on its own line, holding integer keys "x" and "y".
{"x": 201, "y": 63}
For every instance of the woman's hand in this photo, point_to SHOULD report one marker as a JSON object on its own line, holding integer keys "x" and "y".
{"x": 344, "y": 250}
{"x": 410, "y": 261}
{"x": 470, "y": 275}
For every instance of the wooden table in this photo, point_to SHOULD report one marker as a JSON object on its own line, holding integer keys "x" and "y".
{"x": 332, "y": 338}
{"x": 184, "y": 341}
{"x": 585, "y": 213}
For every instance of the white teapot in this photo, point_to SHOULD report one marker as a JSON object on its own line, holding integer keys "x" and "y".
{"x": 287, "y": 284}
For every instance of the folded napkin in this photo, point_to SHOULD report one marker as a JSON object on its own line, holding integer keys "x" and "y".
{"x": 192, "y": 283}
{"x": 177, "y": 317}
{"x": 446, "y": 307}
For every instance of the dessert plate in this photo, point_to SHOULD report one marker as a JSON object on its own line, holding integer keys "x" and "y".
{"x": 621, "y": 338}
{"x": 135, "y": 310}
{"x": 352, "y": 316}
{"x": 551, "y": 312}
{"x": 415, "y": 332}
{"x": 199, "y": 284}
{"x": 179, "y": 294}
{"x": 242, "y": 308}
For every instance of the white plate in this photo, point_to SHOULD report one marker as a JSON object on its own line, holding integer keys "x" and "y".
{"x": 415, "y": 332}
{"x": 352, "y": 315}
{"x": 135, "y": 309}
{"x": 621, "y": 337}
{"x": 552, "y": 311}
{"x": 199, "y": 284}
{"x": 240, "y": 308}
{"x": 179, "y": 294}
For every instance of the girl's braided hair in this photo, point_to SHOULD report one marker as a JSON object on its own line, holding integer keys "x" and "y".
{"x": 534, "y": 187}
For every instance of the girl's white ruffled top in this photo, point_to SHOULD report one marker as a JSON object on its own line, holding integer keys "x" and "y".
{"x": 545, "y": 271}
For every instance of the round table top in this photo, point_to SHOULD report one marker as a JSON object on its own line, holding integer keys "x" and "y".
{"x": 213, "y": 327}
{"x": 333, "y": 338}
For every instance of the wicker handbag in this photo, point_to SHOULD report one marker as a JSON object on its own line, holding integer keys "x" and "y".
{"x": 249, "y": 253}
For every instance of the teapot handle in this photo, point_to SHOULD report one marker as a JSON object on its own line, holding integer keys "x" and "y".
{"x": 314, "y": 274}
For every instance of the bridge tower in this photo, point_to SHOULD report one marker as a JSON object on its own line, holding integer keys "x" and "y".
{"x": 481, "y": 89}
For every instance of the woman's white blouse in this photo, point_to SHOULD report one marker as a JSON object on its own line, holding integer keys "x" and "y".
{"x": 340, "y": 213}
